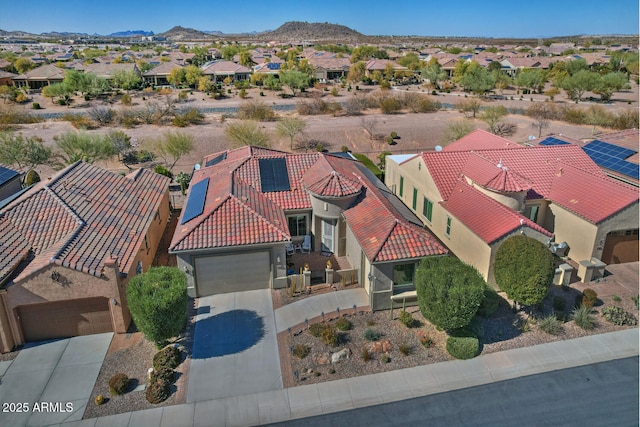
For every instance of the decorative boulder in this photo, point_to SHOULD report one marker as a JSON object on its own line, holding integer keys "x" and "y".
{"x": 340, "y": 355}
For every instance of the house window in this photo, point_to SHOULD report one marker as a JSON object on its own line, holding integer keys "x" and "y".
{"x": 146, "y": 244}
{"x": 403, "y": 278}
{"x": 427, "y": 209}
{"x": 298, "y": 225}
{"x": 414, "y": 203}
{"x": 448, "y": 231}
{"x": 533, "y": 215}
{"x": 401, "y": 185}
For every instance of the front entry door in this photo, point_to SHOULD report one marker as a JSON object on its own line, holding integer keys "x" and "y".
{"x": 328, "y": 234}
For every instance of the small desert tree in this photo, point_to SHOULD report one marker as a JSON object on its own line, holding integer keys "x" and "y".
{"x": 524, "y": 269}
{"x": 172, "y": 146}
{"x": 449, "y": 291}
{"x": 493, "y": 117}
{"x": 246, "y": 133}
{"x": 158, "y": 303}
{"x": 291, "y": 126}
{"x": 83, "y": 146}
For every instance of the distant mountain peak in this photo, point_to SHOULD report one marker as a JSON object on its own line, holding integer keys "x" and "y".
{"x": 298, "y": 30}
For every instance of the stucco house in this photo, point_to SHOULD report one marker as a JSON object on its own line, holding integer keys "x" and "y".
{"x": 40, "y": 77}
{"x": 219, "y": 70}
{"x": 482, "y": 189}
{"x": 245, "y": 205}
{"x": 159, "y": 75}
{"x": 68, "y": 247}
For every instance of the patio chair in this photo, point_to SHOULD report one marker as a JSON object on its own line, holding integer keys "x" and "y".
{"x": 306, "y": 244}
{"x": 290, "y": 248}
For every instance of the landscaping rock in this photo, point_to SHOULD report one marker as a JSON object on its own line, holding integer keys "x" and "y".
{"x": 383, "y": 346}
{"x": 340, "y": 355}
{"x": 323, "y": 359}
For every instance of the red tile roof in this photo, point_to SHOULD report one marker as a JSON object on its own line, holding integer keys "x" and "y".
{"x": 84, "y": 215}
{"x": 480, "y": 140}
{"x": 494, "y": 176}
{"x": 539, "y": 166}
{"x": 13, "y": 248}
{"x": 237, "y": 213}
{"x": 487, "y": 218}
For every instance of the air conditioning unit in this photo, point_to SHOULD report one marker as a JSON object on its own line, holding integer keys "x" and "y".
{"x": 560, "y": 249}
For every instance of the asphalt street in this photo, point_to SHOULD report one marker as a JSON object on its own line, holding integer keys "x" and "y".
{"x": 601, "y": 394}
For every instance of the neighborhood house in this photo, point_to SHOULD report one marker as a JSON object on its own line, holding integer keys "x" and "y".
{"x": 247, "y": 206}
{"x": 68, "y": 247}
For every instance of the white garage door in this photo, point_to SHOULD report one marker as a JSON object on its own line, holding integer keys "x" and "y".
{"x": 232, "y": 273}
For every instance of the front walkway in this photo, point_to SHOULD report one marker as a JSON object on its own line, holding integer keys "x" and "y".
{"x": 333, "y": 396}
{"x": 306, "y": 309}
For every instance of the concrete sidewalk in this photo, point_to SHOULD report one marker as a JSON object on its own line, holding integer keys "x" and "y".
{"x": 295, "y": 313}
{"x": 358, "y": 392}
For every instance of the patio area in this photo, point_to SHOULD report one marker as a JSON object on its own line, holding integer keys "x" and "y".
{"x": 317, "y": 264}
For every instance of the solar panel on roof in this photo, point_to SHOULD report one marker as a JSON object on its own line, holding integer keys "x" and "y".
{"x": 6, "y": 174}
{"x": 552, "y": 141}
{"x": 216, "y": 160}
{"x": 195, "y": 201}
{"x": 274, "y": 175}
{"x": 612, "y": 157}
{"x": 606, "y": 148}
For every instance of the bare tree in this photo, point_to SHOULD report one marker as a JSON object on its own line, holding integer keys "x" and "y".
{"x": 370, "y": 124}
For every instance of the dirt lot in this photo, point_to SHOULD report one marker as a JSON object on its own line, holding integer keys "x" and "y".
{"x": 416, "y": 131}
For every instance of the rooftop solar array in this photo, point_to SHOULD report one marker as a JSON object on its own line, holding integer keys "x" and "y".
{"x": 553, "y": 141}
{"x": 612, "y": 157}
{"x": 609, "y": 149}
{"x": 195, "y": 201}
{"x": 274, "y": 175}
{"x": 6, "y": 174}
{"x": 216, "y": 160}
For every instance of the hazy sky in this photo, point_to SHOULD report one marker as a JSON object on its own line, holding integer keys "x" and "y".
{"x": 497, "y": 18}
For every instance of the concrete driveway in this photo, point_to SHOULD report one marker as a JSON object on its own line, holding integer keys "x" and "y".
{"x": 51, "y": 382}
{"x": 235, "y": 348}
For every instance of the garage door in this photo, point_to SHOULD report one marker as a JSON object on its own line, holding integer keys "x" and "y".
{"x": 65, "y": 319}
{"x": 232, "y": 273}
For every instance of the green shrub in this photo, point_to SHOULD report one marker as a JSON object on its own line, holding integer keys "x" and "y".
{"x": 169, "y": 357}
{"x": 31, "y": 178}
{"x": 301, "y": 351}
{"x": 589, "y": 297}
{"x": 390, "y": 105}
{"x": 343, "y": 324}
{"x": 125, "y": 99}
{"x": 616, "y": 298}
{"x": 449, "y": 291}
{"x": 371, "y": 322}
{"x": 385, "y": 358}
{"x": 35, "y": 106}
{"x": 618, "y": 316}
{"x": 329, "y": 336}
{"x": 583, "y": 318}
{"x": 161, "y": 170}
{"x": 406, "y": 318}
{"x": 390, "y": 140}
{"x": 368, "y": 163}
{"x": 405, "y": 349}
{"x": 524, "y": 269}
{"x": 371, "y": 335}
{"x": 157, "y": 392}
{"x": 394, "y": 135}
{"x": 550, "y": 324}
{"x": 118, "y": 384}
{"x": 316, "y": 329}
{"x": 463, "y": 347}
{"x": 158, "y": 303}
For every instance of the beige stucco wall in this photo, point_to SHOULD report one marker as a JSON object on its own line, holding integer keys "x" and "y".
{"x": 626, "y": 219}
{"x": 579, "y": 233}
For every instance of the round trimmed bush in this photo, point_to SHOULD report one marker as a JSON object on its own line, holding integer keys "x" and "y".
{"x": 165, "y": 375}
{"x": 169, "y": 357}
{"x": 463, "y": 347}
{"x": 490, "y": 302}
{"x": 118, "y": 384}
{"x": 589, "y": 297}
{"x": 157, "y": 392}
{"x": 343, "y": 324}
